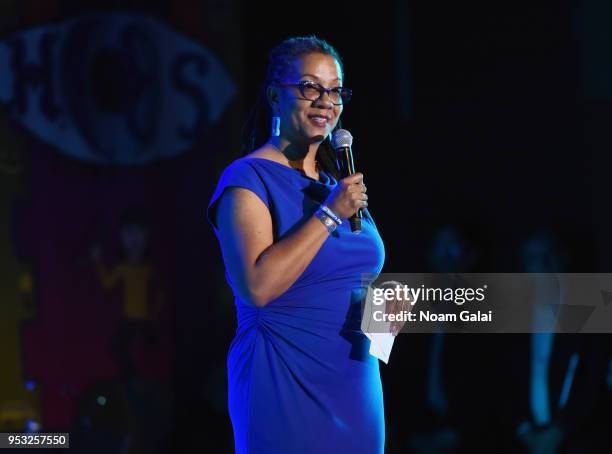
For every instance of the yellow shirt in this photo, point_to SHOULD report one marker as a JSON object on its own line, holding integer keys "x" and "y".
{"x": 135, "y": 279}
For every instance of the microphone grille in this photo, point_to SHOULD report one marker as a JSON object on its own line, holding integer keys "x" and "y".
{"x": 341, "y": 138}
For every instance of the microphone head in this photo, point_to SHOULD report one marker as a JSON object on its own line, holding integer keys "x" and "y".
{"x": 341, "y": 138}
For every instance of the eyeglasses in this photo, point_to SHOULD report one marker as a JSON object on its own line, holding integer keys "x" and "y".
{"x": 313, "y": 91}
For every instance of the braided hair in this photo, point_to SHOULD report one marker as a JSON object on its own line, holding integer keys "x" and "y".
{"x": 256, "y": 129}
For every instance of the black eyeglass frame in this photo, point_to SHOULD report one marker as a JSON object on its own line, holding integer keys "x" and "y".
{"x": 345, "y": 93}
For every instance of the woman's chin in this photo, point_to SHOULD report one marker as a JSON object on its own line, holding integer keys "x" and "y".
{"x": 318, "y": 136}
{"x": 317, "y": 139}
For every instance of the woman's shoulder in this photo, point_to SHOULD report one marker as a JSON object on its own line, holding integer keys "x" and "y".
{"x": 264, "y": 152}
{"x": 256, "y": 164}
{"x": 252, "y": 159}
{"x": 240, "y": 162}
{"x": 242, "y": 173}
{"x": 242, "y": 167}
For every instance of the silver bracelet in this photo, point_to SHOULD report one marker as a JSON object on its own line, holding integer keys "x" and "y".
{"x": 327, "y": 221}
{"x": 331, "y": 214}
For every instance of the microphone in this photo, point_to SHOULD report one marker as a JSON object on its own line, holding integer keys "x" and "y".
{"x": 341, "y": 141}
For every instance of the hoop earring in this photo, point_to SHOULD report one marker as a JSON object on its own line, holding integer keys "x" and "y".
{"x": 275, "y": 126}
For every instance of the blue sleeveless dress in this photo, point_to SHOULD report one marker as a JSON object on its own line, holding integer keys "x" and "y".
{"x": 300, "y": 376}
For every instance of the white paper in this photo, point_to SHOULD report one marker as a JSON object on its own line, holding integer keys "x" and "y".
{"x": 381, "y": 341}
{"x": 381, "y": 345}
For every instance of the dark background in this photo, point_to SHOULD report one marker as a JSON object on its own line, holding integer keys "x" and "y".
{"x": 488, "y": 120}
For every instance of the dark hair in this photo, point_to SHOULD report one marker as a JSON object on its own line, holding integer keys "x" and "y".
{"x": 256, "y": 129}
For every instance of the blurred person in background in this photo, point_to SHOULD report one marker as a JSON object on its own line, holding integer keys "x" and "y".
{"x": 553, "y": 380}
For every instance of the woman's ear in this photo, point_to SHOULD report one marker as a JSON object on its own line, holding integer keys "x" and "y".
{"x": 272, "y": 97}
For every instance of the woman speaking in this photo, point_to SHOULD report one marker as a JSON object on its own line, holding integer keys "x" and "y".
{"x": 301, "y": 379}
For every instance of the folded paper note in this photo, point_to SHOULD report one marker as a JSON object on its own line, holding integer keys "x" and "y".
{"x": 379, "y": 333}
{"x": 381, "y": 345}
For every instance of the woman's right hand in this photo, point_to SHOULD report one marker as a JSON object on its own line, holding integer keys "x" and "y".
{"x": 348, "y": 196}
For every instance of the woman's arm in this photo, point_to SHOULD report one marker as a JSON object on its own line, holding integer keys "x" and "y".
{"x": 260, "y": 269}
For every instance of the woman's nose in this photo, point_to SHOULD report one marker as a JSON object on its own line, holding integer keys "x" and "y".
{"x": 324, "y": 101}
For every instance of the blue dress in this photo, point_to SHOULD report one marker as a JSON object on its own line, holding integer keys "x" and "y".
{"x": 300, "y": 376}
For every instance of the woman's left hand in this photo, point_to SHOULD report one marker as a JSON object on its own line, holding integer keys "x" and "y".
{"x": 396, "y": 306}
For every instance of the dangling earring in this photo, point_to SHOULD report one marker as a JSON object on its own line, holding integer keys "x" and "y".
{"x": 275, "y": 126}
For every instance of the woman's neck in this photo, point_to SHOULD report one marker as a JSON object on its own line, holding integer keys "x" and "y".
{"x": 302, "y": 158}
